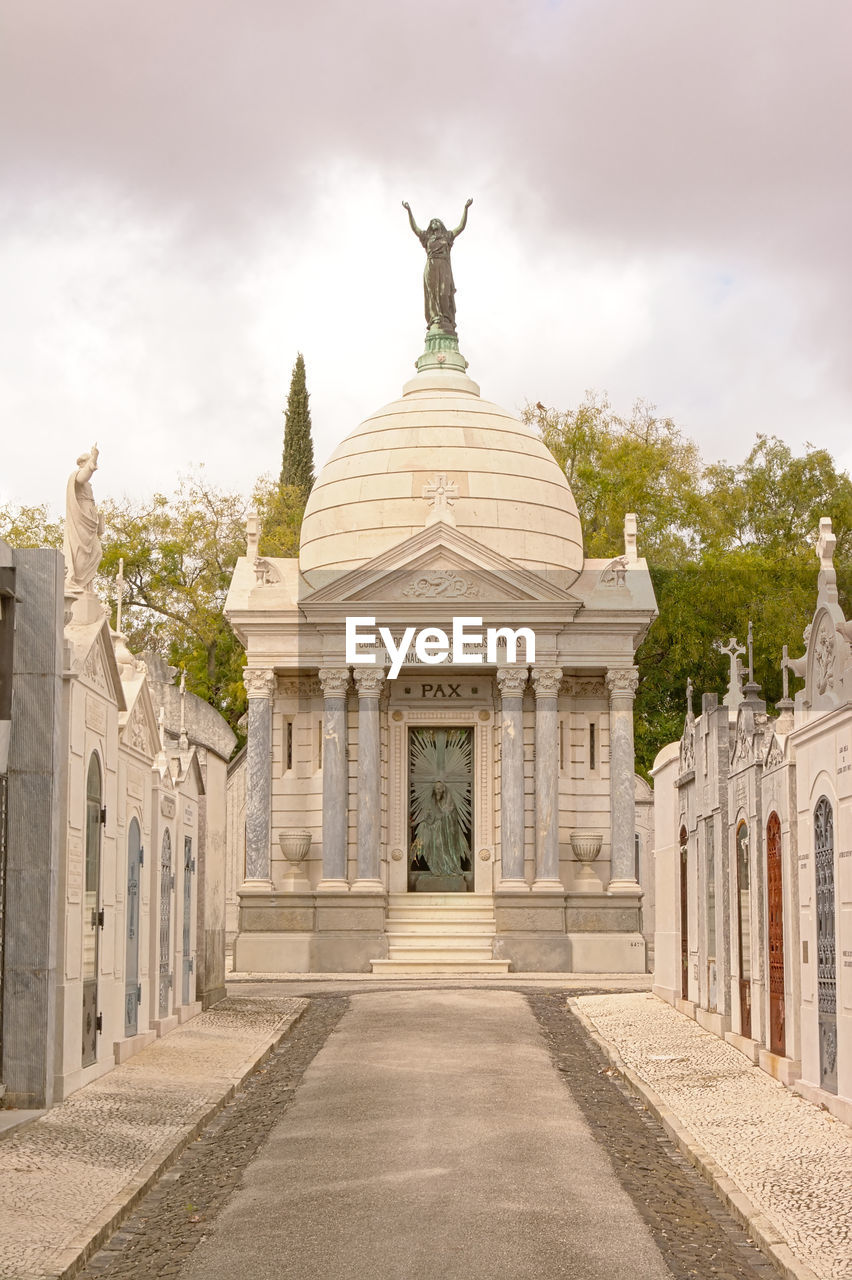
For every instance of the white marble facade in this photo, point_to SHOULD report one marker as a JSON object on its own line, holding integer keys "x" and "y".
{"x": 753, "y": 881}
{"x": 440, "y": 505}
{"x": 127, "y": 929}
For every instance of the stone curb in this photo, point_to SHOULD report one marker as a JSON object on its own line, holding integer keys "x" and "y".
{"x": 74, "y": 1255}
{"x": 764, "y": 1233}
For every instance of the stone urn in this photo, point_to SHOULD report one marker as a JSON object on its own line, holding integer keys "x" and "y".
{"x": 586, "y": 845}
{"x": 295, "y": 845}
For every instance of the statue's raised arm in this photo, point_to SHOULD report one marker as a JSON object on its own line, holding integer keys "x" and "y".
{"x": 414, "y": 226}
{"x": 460, "y": 228}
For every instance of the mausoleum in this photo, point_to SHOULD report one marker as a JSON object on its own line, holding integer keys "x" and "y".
{"x": 414, "y": 804}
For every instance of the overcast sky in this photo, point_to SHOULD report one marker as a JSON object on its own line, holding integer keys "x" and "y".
{"x": 194, "y": 191}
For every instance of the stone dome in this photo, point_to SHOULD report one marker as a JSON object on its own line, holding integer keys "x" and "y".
{"x": 510, "y": 493}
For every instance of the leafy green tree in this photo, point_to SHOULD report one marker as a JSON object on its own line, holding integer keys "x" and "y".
{"x": 725, "y": 544}
{"x": 30, "y": 526}
{"x": 614, "y": 465}
{"x": 179, "y": 554}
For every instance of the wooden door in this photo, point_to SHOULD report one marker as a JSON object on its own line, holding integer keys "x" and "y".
{"x": 775, "y": 899}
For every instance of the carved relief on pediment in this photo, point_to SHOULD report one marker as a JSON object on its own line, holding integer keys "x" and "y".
{"x": 94, "y": 669}
{"x": 137, "y": 733}
{"x": 774, "y": 754}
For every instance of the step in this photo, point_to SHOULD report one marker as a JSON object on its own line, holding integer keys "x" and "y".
{"x": 439, "y": 913}
{"x": 441, "y": 935}
{"x": 432, "y": 966}
{"x": 442, "y": 955}
{"x": 458, "y": 901}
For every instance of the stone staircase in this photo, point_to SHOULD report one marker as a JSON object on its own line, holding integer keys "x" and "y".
{"x": 433, "y": 933}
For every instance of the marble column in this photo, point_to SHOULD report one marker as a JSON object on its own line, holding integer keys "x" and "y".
{"x": 369, "y": 681}
{"x": 511, "y": 682}
{"x": 622, "y": 683}
{"x": 260, "y": 685}
{"x": 546, "y": 681}
{"x": 335, "y": 780}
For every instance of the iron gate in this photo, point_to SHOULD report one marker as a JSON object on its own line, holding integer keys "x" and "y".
{"x": 826, "y": 953}
{"x": 775, "y": 903}
{"x": 188, "y": 868}
{"x": 92, "y": 913}
{"x": 131, "y": 967}
{"x": 167, "y": 881}
{"x": 684, "y": 915}
{"x": 744, "y": 928}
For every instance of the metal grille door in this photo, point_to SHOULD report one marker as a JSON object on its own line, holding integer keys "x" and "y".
{"x": 775, "y": 897}
{"x": 131, "y": 966}
{"x": 744, "y": 927}
{"x": 826, "y": 946}
{"x": 92, "y": 916}
{"x": 188, "y": 868}
{"x": 684, "y": 915}
{"x": 166, "y": 886}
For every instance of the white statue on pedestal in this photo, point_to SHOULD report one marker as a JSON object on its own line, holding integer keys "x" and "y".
{"x": 83, "y": 526}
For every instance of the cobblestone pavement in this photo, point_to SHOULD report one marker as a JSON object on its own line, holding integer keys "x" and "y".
{"x": 791, "y": 1159}
{"x": 176, "y": 1215}
{"x": 695, "y": 1233}
{"x": 67, "y": 1175}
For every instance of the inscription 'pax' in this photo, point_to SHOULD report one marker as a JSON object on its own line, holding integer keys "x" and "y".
{"x": 440, "y": 690}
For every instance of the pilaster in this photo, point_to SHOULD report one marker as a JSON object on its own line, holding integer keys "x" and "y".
{"x": 512, "y": 682}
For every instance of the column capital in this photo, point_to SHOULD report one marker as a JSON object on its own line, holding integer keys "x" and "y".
{"x": 622, "y": 681}
{"x": 334, "y": 681}
{"x": 512, "y": 681}
{"x": 369, "y": 681}
{"x": 259, "y": 681}
{"x": 546, "y": 681}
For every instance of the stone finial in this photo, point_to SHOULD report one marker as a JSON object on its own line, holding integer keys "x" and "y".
{"x": 631, "y": 526}
{"x": 183, "y": 740}
{"x": 441, "y": 494}
{"x": 827, "y": 581}
{"x": 252, "y": 535}
{"x": 751, "y": 689}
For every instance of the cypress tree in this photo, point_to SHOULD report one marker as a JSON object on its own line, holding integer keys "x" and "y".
{"x": 297, "y": 467}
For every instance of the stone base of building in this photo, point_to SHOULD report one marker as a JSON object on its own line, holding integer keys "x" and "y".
{"x": 124, "y": 1049}
{"x": 342, "y": 932}
{"x": 839, "y": 1107}
{"x": 787, "y": 1070}
{"x": 310, "y": 932}
{"x": 749, "y": 1047}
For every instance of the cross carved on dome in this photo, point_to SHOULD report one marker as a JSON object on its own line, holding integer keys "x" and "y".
{"x": 441, "y": 494}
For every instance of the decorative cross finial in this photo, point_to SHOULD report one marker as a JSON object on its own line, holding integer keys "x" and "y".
{"x": 734, "y": 696}
{"x": 119, "y": 589}
{"x": 441, "y": 494}
{"x": 689, "y": 710}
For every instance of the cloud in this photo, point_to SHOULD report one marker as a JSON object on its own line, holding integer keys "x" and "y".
{"x": 191, "y": 193}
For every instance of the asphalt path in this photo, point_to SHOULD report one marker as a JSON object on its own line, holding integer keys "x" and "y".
{"x": 431, "y": 1137}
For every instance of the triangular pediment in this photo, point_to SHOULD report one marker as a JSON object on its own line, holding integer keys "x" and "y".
{"x": 440, "y": 565}
{"x": 93, "y": 660}
{"x": 139, "y": 729}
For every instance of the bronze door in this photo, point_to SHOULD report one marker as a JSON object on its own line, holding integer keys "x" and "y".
{"x": 440, "y": 790}
{"x": 131, "y": 962}
{"x": 744, "y": 928}
{"x": 684, "y": 916}
{"x": 167, "y": 884}
{"x": 775, "y": 899}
